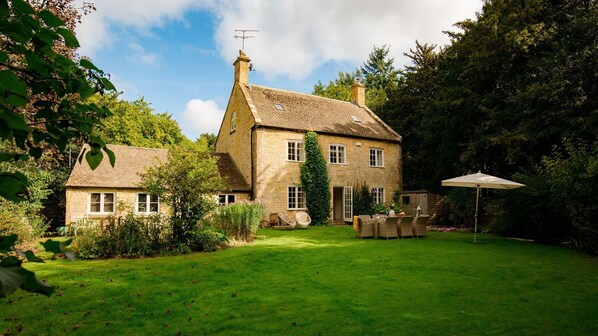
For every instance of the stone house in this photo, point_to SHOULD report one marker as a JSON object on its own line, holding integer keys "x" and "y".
{"x": 263, "y": 132}
{"x": 108, "y": 191}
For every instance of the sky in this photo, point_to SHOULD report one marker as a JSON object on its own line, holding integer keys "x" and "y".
{"x": 178, "y": 54}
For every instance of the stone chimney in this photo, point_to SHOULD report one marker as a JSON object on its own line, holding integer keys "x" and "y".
{"x": 242, "y": 68}
{"x": 358, "y": 93}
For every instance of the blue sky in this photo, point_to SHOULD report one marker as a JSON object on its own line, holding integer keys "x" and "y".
{"x": 178, "y": 54}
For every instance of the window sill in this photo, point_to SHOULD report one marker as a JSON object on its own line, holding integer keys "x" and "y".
{"x": 337, "y": 164}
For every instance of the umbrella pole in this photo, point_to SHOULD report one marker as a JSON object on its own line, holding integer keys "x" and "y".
{"x": 477, "y": 199}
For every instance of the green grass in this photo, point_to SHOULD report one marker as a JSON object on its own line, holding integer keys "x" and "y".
{"x": 322, "y": 281}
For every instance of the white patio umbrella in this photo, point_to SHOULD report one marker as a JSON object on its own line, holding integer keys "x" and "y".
{"x": 479, "y": 180}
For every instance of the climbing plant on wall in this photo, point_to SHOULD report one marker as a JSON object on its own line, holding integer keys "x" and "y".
{"x": 314, "y": 179}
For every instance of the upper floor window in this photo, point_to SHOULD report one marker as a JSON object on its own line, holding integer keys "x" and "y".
{"x": 295, "y": 198}
{"x": 147, "y": 203}
{"x": 378, "y": 195}
{"x": 295, "y": 150}
{"x": 226, "y": 199}
{"x": 101, "y": 203}
{"x": 376, "y": 157}
{"x": 337, "y": 154}
{"x": 233, "y": 121}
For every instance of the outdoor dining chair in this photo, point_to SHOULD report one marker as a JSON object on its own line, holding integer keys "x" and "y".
{"x": 420, "y": 226}
{"x": 404, "y": 227}
{"x": 387, "y": 228}
{"x": 365, "y": 228}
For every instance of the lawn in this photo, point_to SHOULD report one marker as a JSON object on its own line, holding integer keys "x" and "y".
{"x": 322, "y": 281}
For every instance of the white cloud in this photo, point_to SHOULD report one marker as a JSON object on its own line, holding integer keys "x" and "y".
{"x": 95, "y": 30}
{"x": 296, "y": 37}
{"x": 200, "y": 116}
{"x": 141, "y": 56}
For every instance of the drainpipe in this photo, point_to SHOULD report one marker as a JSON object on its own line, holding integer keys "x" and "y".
{"x": 252, "y": 192}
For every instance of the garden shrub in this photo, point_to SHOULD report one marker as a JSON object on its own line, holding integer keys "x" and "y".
{"x": 15, "y": 220}
{"x": 128, "y": 236}
{"x": 24, "y": 218}
{"x": 239, "y": 221}
{"x": 559, "y": 202}
{"x": 363, "y": 202}
{"x": 205, "y": 239}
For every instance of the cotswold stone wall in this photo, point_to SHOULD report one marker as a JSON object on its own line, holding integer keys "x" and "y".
{"x": 273, "y": 173}
{"x": 77, "y": 202}
{"x": 238, "y": 142}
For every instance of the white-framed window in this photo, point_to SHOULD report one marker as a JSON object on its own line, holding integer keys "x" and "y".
{"x": 295, "y": 198}
{"x": 233, "y": 121}
{"x": 295, "y": 150}
{"x": 147, "y": 204}
{"x": 226, "y": 199}
{"x": 378, "y": 195}
{"x": 376, "y": 157}
{"x": 101, "y": 203}
{"x": 337, "y": 154}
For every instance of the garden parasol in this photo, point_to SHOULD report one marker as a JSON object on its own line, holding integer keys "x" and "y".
{"x": 479, "y": 180}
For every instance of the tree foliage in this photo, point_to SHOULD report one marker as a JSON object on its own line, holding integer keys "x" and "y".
{"x": 379, "y": 78}
{"x": 41, "y": 108}
{"x": 314, "y": 179}
{"x": 41, "y": 91}
{"x": 135, "y": 124}
{"x": 186, "y": 184}
{"x": 501, "y": 98}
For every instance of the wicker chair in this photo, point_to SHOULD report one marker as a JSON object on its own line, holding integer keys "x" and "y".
{"x": 303, "y": 220}
{"x": 356, "y": 221}
{"x": 388, "y": 228}
{"x": 420, "y": 228}
{"x": 404, "y": 227}
{"x": 365, "y": 228}
{"x": 286, "y": 220}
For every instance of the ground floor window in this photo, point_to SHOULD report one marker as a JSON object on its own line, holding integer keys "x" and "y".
{"x": 226, "y": 199}
{"x": 101, "y": 203}
{"x": 378, "y": 195}
{"x": 147, "y": 203}
{"x": 296, "y": 198}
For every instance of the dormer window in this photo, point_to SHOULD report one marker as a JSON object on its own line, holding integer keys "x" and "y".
{"x": 355, "y": 119}
{"x": 233, "y": 121}
{"x": 279, "y": 107}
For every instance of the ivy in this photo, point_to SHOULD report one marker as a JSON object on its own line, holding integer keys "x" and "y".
{"x": 314, "y": 179}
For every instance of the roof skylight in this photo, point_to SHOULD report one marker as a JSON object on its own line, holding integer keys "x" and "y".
{"x": 279, "y": 107}
{"x": 355, "y": 119}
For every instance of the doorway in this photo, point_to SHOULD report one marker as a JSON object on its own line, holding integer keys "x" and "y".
{"x": 342, "y": 204}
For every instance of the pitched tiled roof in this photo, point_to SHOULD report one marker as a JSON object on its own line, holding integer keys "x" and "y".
{"x": 228, "y": 170}
{"x": 130, "y": 161}
{"x": 319, "y": 114}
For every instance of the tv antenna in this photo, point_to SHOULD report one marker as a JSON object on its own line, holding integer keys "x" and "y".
{"x": 244, "y": 35}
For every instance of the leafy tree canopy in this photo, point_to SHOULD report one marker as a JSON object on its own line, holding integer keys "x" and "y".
{"x": 42, "y": 106}
{"x": 135, "y": 124}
